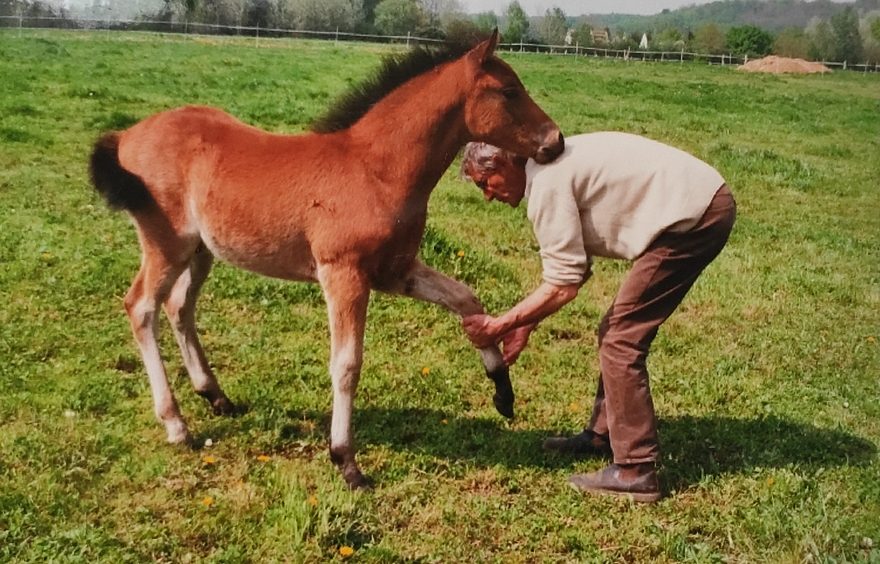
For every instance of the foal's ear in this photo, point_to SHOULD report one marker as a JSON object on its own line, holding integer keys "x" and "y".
{"x": 484, "y": 49}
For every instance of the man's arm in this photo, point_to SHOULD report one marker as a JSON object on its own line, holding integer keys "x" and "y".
{"x": 547, "y": 299}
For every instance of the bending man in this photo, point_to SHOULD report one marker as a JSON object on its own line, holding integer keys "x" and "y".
{"x": 619, "y": 196}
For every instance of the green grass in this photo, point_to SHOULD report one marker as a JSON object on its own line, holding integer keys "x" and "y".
{"x": 765, "y": 381}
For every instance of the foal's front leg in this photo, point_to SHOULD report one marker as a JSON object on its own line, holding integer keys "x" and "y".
{"x": 424, "y": 283}
{"x": 347, "y": 293}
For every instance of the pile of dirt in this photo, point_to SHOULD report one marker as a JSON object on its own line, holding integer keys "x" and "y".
{"x": 778, "y": 65}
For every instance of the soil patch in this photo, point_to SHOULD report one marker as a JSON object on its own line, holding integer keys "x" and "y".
{"x": 779, "y": 65}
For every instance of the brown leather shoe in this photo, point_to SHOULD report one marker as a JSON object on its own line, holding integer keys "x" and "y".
{"x": 584, "y": 443}
{"x": 636, "y": 481}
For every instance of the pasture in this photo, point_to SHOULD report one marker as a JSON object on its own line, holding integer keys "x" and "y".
{"x": 766, "y": 381}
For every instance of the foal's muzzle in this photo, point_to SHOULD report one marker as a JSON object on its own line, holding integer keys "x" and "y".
{"x": 552, "y": 146}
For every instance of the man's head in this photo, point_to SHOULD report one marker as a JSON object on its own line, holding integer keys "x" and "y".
{"x": 499, "y": 174}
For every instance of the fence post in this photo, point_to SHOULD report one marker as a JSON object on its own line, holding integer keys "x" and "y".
{"x": 20, "y": 18}
{"x": 257, "y": 40}
{"x": 844, "y": 65}
{"x": 407, "y": 38}
{"x": 336, "y": 41}
{"x": 682, "y": 55}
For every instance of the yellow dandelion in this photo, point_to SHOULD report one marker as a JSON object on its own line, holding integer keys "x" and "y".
{"x": 209, "y": 459}
{"x": 770, "y": 481}
{"x": 426, "y": 371}
{"x": 313, "y": 501}
{"x": 208, "y": 501}
{"x": 345, "y": 551}
{"x": 264, "y": 458}
{"x": 872, "y": 339}
{"x": 444, "y": 421}
{"x": 573, "y": 406}
{"x": 460, "y": 254}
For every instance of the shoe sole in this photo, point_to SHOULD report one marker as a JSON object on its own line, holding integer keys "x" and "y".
{"x": 635, "y": 496}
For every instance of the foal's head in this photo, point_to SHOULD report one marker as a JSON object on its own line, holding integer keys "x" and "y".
{"x": 499, "y": 111}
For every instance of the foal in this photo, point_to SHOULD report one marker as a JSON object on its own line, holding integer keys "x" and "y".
{"x": 344, "y": 205}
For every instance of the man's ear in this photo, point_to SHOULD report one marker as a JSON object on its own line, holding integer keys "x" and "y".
{"x": 485, "y": 49}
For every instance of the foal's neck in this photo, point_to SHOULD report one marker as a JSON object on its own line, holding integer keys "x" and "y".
{"x": 413, "y": 134}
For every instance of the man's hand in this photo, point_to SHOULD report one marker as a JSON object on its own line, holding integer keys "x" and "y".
{"x": 514, "y": 343}
{"x": 479, "y": 330}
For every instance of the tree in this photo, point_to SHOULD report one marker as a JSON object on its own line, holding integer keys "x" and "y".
{"x": 486, "y": 21}
{"x": 792, "y": 42}
{"x": 324, "y": 15}
{"x": 583, "y": 35}
{"x": 848, "y": 42}
{"x": 439, "y": 13}
{"x": 463, "y": 31}
{"x": 709, "y": 39}
{"x": 870, "y": 29}
{"x": 260, "y": 14}
{"x": 553, "y": 27}
{"x": 822, "y": 43}
{"x": 397, "y": 17}
{"x": 517, "y": 28}
{"x": 749, "y": 40}
{"x": 669, "y": 39}
{"x": 369, "y": 16}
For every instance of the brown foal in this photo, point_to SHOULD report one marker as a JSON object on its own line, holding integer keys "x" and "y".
{"x": 344, "y": 205}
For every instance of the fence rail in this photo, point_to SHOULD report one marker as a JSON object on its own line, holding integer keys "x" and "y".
{"x": 257, "y": 33}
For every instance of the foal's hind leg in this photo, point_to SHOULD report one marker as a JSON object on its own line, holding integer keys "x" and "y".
{"x": 347, "y": 293}
{"x": 424, "y": 283}
{"x": 181, "y": 310}
{"x": 149, "y": 289}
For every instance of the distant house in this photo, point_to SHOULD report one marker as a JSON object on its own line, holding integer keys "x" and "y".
{"x": 600, "y": 36}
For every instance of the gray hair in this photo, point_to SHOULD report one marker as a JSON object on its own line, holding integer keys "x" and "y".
{"x": 479, "y": 158}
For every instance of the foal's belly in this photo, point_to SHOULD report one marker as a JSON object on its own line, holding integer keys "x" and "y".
{"x": 288, "y": 258}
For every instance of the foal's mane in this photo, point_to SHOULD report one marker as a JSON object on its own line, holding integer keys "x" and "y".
{"x": 395, "y": 70}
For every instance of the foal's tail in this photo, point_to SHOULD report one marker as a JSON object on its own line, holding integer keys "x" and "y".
{"x": 120, "y": 188}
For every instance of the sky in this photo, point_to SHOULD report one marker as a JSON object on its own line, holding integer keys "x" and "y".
{"x": 578, "y": 7}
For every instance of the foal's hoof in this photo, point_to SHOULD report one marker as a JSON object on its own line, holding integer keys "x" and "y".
{"x": 178, "y": 434}
{"x": 504, "y": 397}
{"x": 222, "y": 406}
{"x": 356, "y": 480}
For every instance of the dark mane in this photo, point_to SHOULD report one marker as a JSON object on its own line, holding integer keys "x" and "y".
{"x": 395, "y": 70}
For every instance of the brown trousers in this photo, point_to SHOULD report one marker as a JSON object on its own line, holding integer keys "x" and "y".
{"x": 655, "y": 286}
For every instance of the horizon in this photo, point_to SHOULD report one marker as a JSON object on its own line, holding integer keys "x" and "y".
{"x": 576, "y": 8}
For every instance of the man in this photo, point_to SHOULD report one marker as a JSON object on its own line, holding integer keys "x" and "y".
{"x": 619, "y": 196}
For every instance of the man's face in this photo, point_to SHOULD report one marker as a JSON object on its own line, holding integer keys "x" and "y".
{"x": 507, "y": 183}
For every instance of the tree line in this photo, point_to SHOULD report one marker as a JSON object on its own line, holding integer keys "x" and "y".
{"x": 847, "y": 35}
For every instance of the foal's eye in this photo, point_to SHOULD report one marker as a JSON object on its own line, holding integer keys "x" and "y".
{"x": 510, "y": 93}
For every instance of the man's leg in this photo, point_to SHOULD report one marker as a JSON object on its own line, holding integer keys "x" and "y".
{"x": 655, "y": 286}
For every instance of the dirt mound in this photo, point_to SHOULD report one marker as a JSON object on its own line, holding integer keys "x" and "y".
{"x": 779, "y": 65}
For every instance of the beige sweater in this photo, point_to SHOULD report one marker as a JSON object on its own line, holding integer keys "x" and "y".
{"x": 611, "y": 194}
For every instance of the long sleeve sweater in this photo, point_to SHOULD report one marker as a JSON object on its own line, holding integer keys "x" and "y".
{"x": 611, "y": 194}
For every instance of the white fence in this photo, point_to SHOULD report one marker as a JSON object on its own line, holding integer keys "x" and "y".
{"x": 257, "y": 33}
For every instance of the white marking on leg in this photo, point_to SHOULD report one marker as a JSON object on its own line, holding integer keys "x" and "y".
{"x": 164, "y": 404}
{"x": 344, "y": 369}
{"x": 492, "y": 359}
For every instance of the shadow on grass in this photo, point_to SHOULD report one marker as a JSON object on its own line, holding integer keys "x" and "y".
{"x": 692, "y": 447}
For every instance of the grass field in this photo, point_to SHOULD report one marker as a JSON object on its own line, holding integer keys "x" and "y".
{"x": 766, "y": 381}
